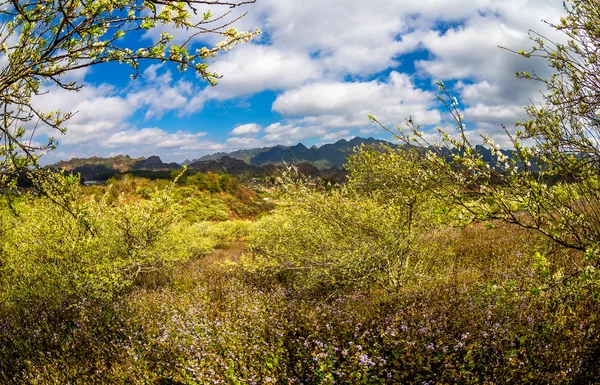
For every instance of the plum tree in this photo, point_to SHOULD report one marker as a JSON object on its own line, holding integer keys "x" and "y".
{"x": 42, "y": 41}
{"x": 551, "y": 180}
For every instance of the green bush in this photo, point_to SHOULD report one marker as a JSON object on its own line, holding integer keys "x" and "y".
{"x": 349, "y": 238}
{"x": 65, "y": 248}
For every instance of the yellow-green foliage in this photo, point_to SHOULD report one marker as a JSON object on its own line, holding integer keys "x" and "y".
{"x": 91, "y": 249}
{"x": 128, "y": 186}
{"x": 203, "y": 197}
{"x": 203, "y": 237}
{"x": 391, "y": 176}
{"x": 349, "y": 237}
{"x": 68, "y": 247}
{"x": 330, "y": 241}
{"x": 484, "y": 303}
{"x": 205, "y": 207}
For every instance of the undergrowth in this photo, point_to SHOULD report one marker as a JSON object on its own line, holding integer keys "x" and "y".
{"x": 133, "y": 291}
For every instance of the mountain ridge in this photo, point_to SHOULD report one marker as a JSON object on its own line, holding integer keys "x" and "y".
{"x": 327, "y": 155}
{"x": 326, "y": 161}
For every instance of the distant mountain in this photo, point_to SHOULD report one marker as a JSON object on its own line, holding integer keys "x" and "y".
{"x": 99, "y": 169}
{"x": 226, "y": 165}
{"x": 325, "y": 161}
{"x": 120, "y": 162}
{"x": 154, "y": 163}
{"x": 328, "y": 155}
{"x": 96, "y": 168}
{"x": 244, "y": 155}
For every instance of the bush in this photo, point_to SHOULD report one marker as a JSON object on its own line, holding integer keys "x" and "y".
{"x": 206, "y": 207}
{"x": 349, "y": 238}
{"x": 59, "y": 254}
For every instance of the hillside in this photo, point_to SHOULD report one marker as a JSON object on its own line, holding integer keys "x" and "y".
{"x": 325, "y": 161}
{"x": 120, "y": 162}
{"x": 97, "y": 168}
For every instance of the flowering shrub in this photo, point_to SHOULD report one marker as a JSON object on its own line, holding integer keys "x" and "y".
{"x": 109, "y": 293}
{"x": 347, "y": 238}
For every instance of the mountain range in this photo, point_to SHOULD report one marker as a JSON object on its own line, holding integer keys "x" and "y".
{"x": 327, "y": 155}
{"x": 326, "y": 161}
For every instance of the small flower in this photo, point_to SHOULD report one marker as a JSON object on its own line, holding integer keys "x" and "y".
{"x": 365, "y": 360}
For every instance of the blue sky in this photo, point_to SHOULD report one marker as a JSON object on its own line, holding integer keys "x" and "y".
{"x": 316, "y": 72}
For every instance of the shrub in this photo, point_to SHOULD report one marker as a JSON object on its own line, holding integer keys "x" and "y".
{"x": 349, "y": 238}
{"x": 79, "y": 249}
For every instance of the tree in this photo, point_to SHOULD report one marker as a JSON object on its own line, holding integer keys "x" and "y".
{"x": 553, "y": 184}
{"x": 42, "y": 41}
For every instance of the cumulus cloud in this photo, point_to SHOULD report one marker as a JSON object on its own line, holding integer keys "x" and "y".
{"x": 329, "y": 66}
{"x": 155, "y": 137}
{"x": 98, "y": 112}
{"x": 347, "y": 104}
{"x": 469, "y": 53}
{"x": 171, "y": 146}
{"x": 286, "y": 134}
{"x": 159, "y": 93}
{"x": 245, "y": 129}
{"x": 255, "y": 68}
{"x": 103, "y": 110}
{"x": 236, "y": 142}
{"x": 357, "y": 37}
{"x": 337, "y": 135}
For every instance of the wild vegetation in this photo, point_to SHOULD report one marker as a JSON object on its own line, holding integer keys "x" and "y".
{"x": 428, "y": 266}
{"x": 374, "y": 282}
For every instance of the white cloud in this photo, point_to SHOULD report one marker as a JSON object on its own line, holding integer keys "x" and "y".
{"x": 486, "y": 78}
{"x": 98, "y": 111}
{"x": 252, "y": 68}
{"x": 159, "y": 93}
{"x": 103, "y": 110}
{"x": 347, "y": 104}
{"x": 291, "y": 133}
{"x": 245, "y": 129}
{"x": 236, "y": 142}
{"x": 337, "y": 135}
{"x": 157, "y": 138}
{"x": 499, "y": 114}
{"x": 356, "y": 37}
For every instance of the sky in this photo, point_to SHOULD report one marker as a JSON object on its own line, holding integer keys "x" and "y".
{"x": 317, "y": 71}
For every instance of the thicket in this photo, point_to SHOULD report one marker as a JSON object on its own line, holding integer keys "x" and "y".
{"x": 378, "y": 284}
{"x": 370, "y": 230}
